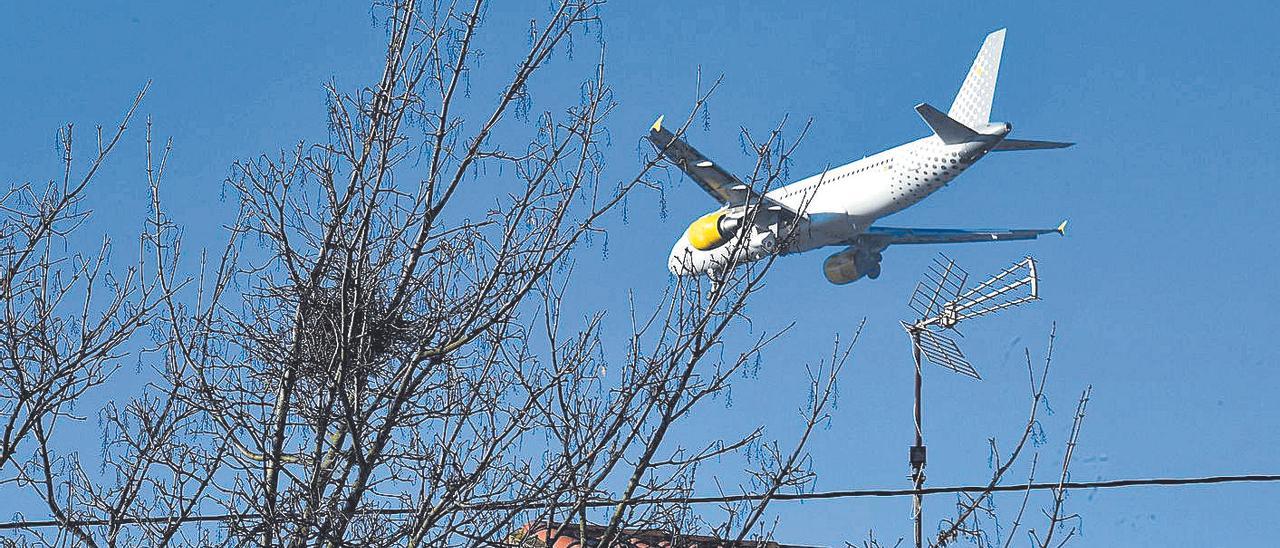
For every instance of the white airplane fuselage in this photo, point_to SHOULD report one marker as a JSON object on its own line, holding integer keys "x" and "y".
{"x": 841, "y": 203}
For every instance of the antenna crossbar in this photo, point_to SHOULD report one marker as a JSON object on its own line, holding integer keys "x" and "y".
{"x": 942, "y": 283}
{"x": 943, "y": 351}
{"x": 962, "y": 308}
{"x": 995, "y": 307}
{"x": 1028, "y": 263}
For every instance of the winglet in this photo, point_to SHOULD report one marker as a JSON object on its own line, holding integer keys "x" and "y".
{"x": 1062, "y": 228}
{"x": 657, "y": 125}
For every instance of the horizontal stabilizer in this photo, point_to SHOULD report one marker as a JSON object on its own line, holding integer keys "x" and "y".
{"x": 1023, "y": 144}
{"x": 950, "y": 131}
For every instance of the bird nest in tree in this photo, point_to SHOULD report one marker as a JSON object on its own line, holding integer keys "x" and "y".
{"x": 345, "y": 334}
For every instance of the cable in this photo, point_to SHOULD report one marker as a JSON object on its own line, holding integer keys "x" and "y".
{"x": 854, "y": 493}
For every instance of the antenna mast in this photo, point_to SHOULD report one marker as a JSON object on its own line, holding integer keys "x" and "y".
{"x": 941, "y": 303}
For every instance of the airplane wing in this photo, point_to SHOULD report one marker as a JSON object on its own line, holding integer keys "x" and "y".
{"x": 715, "y": 180}
{"x": 883, "y": 236}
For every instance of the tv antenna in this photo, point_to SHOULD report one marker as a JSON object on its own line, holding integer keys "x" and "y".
{"x": 941, "y": 302}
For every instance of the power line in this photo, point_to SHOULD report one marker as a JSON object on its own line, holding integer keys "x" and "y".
{"x": 823, "y": 495}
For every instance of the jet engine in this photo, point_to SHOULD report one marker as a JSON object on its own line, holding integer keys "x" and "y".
{"x": 712, "y": 230}
{"x": 851, "y": 264}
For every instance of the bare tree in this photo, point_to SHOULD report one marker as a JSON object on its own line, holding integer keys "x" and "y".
{"x": 976, "y": 516}
{"x": 379, "y": 354}
{"x": 382, "y": 352}
{"x": 67, "y": 315}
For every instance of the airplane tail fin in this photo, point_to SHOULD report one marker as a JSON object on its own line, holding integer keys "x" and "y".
{"x": 972, "y": 106}
{"x": 970, "y": 116}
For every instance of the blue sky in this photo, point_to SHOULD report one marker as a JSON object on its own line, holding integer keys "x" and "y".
{"x": 1163, "y": 290}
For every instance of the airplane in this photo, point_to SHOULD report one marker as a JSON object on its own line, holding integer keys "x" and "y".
{"x": 839, "y": 207}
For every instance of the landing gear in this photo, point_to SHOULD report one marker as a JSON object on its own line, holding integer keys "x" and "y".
{"x": 874, "y": 271}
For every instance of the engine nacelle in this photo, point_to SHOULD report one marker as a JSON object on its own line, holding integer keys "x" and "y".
{"x": 851, "y": 264}
{"x": 712, "y": 230}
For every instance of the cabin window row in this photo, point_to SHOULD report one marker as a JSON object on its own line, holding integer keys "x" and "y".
{"x": 859, "y": 170}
